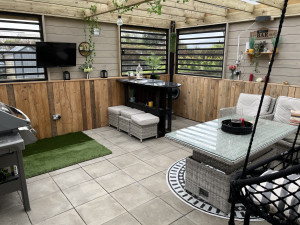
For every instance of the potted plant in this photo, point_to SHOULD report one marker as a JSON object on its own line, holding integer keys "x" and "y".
{"x": 251, "y": 44}
{"x": 131, "y": 94}
{"x": 258, "y": 49}
{"x": 153, "y": 62}
{"x": 90, "y": 23}
{"x": 273, "y": 40}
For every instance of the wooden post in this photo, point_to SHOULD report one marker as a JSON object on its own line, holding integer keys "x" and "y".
{"x": 172, "y": 54}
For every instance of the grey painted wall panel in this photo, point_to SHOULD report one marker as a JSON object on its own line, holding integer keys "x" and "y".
{"x": 71, "y": 30}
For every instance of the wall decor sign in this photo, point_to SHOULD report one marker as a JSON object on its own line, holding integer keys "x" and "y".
{"x": 263, "y": 33}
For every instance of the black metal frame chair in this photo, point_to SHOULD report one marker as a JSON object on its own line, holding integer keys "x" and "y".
{"x": 269, "y": 189}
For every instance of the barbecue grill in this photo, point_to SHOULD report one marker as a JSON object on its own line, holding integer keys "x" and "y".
{"x": 15, "y": 133}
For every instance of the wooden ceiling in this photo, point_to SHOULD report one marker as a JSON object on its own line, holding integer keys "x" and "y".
{"x": 192, "y": 13}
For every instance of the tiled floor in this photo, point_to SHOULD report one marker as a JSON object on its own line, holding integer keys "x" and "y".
{"x": 127, "y": 187}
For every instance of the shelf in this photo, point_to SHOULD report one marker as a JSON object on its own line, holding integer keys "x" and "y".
{"x": 153, "y": 110}
{"x": 250, "y": 55}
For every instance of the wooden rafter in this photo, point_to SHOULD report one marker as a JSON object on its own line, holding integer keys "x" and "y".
{"x": 231, "y": 4}
{"x": 110, "y": 7}
{"x": 273, "y": 3}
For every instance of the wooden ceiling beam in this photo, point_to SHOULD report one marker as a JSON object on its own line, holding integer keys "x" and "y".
{"x": 67, "y": 3}
{"x": 110, "y": 7}
{"x": 231, "y": 4}
{"x": 273, "y": 3}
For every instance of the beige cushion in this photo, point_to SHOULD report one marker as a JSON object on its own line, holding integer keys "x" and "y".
{"x": 145, "y": 119}
{"x": 117, "y": 109}
{"x": 248, "y": 104}
{"x": 130, "y": 112}
{"x": 283, "y": 108}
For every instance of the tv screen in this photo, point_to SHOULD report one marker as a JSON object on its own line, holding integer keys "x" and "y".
{"x": 53, "y": 54}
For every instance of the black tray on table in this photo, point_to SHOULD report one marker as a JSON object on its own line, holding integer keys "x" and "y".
{"x": 229, "y": 127}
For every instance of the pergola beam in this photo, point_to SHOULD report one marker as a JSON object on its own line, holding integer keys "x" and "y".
{"x": 231, "y": 4}
{"x": 273, "y": 3}
{"x": 110, "y": 7}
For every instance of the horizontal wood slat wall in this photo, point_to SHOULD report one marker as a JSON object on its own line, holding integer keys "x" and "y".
{"x": 82, "y": 103}
{"x": 201, "y": 98}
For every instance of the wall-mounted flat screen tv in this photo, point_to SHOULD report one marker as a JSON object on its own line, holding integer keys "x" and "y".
{"x": 54, "y": 54}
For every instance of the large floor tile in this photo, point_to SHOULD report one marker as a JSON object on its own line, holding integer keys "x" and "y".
{"x": 132, "y": 196}
{"x": 71, "y": 178}
{"x": 116, "y": 151}
{"x": 183, "y": 221}
{"x": 157, "y": 184}
{"x": 124, "y": 160}
{"x": 92, "y": 161}
{"x": 109, "y": 133}
{"x": 198, "y": 217}
{"x": 10, "y": 200}
{"x": 161, "y": 162}
{"x": 140, "y": 171}
{"x": 120, "y": 139}
{"x": 144, "y": 154}
{"x": 14, "y": 216}
{"x": 124, "y": 219}
{"x": 41, "y": 188}
{"x": 36, "y": 178}
{"x": 163, "y": 148}
{"x": 178, "y": 154}
{"x": 132, "y": 145}
{"x": 155, "y": 212}
{"x": 100, "y": 210}
{"x": 176, "y": 203}
{"x": 84, "y": 192}
{"x": 64, "y": 170}
{"x": 100, "y": 169}
{"x": 67, "y": 218}
{"x": 115, "y": 181}
{"x": 47, "y": 207}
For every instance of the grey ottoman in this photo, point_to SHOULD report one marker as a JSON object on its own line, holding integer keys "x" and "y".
{"x": 113, "y": 115}
{"x": 125, "y": 118}
{"x": 144, "y": 126}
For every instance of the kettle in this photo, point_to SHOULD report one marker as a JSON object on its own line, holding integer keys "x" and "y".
{"x": 103, "y": 74}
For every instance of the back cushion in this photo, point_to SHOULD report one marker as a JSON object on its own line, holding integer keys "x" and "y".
{"x": 283, "y": 108}
{"x": 248, "y": 104}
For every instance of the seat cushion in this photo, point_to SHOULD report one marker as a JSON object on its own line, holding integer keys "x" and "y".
{"x": 248, "y": 104}
{"x": 283, "y": 108}
{"x": 145, "y": 119}
{"x": 117, "y": 109}
{"x": 130, "y": 112}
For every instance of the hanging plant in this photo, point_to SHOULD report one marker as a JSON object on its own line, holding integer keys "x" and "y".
{"x": 90, "y": 23}
{"x": 173, "y": 42}
{"x": 258, "y": 49}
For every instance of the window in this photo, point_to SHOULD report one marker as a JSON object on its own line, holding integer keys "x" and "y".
{"x": 200, "y": 51}
{"x": 139, "y": 42}
{"x": 18, "y": 35}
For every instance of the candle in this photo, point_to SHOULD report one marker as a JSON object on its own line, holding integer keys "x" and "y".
{"x": 243, "y": 121}
{"x": 251, "y": 77}
{"x": 265, "y": 79}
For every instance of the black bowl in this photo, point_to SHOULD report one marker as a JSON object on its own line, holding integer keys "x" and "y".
{"x": 234, "y": 127}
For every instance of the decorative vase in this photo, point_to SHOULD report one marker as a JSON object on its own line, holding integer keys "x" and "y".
{"x": 231, "y": 76}
{"x": 87, "y": 76}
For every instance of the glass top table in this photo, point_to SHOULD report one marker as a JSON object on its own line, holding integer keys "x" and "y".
{"x": 209, "y": 140}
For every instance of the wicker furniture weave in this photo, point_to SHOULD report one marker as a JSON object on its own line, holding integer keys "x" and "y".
{"x": 113, "y": 115}
{"x": 223, "y": 154}
{"x": 124, "y": 124}
{"x": 144, "y": 126}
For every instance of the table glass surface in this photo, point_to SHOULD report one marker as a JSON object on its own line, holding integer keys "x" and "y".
{"x": 210, "y": 138}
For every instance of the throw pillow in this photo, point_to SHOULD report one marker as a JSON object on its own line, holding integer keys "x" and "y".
{"x": 295, "y": 118}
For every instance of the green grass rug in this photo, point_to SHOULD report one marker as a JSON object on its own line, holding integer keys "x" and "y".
{"x": 58, "y": 152}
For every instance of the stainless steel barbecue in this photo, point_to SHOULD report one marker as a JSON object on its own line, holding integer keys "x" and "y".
{"x": 15, "y": 133}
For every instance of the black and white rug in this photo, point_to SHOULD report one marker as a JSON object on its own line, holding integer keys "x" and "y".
{"x": 176, "y": 182}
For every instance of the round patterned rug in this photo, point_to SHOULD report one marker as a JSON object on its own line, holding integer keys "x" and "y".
{"x": 176, "y": 182}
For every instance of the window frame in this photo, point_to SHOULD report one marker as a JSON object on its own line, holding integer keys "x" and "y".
{"x": 140, "y": 60}
{"x": 41, "y": 38}
{"x": 213, "y": 60}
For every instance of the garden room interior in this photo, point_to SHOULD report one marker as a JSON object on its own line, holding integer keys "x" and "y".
{"x": 150, "y": 112}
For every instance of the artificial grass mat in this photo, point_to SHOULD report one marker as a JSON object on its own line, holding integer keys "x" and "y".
{"x": 54, "y": 153}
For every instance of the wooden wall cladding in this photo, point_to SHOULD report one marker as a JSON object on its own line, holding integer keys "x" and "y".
{"x": 202, "y": 98}
{"x": 81, "y": 103}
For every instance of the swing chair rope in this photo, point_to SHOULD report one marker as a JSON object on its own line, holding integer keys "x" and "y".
{"x": 265, "y": 87}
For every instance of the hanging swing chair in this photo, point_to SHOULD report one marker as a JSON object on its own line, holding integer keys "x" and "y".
{"x": 269, "y": 189}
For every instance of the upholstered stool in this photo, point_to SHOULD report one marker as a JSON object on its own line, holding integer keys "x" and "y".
{"x": 125, "y": 118}
{"x": 113, "y": 115}
{"x": 144, "y": 126}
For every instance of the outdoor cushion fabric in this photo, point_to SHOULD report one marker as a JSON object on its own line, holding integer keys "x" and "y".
{"x": 276, "y": 195}
{"x": 283, "y": 108}
{"x": 130, "y": 112}
{"x": 117, "y": 109}
{"x": 295, "y": 118}
{"x": 248, "y": 104}
{"x": 145, "y": 119}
